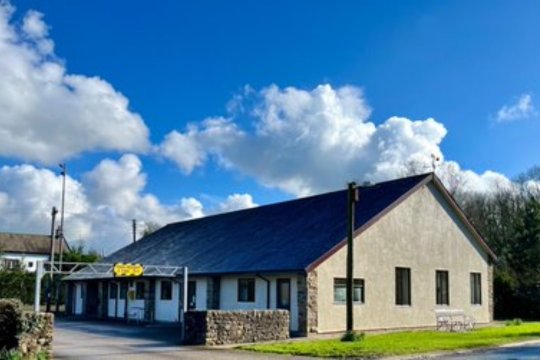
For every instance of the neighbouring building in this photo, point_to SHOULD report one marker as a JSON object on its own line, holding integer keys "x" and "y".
{"x": 414, "y": 252}
{"x": 25, "y": 250}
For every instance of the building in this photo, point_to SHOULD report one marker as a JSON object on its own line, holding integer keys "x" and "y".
{"x": 25, "y": 250}
{"x": 414, "y": 252}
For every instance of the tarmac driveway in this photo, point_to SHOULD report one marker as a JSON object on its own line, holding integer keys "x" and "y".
{"x": 102, "y": 340}
{"x": 527, "y": 351}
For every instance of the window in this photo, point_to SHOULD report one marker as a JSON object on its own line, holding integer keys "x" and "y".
{"x": 113, "y": 291}
{"x": 166, "y": 290}
{"x": 12, "y": 264}
{"x": 30, "y": 264}
{"x": 123, "y": 290}
{"x": 246, "y": 290}
{"x": 340, "y": 290}
{"x": 476, "y": 289}
{"x": 192, "y": 295}
{"x": 441, "y": 287}
{"x": 139, "y": 290}
{"x": 403, "y": 286}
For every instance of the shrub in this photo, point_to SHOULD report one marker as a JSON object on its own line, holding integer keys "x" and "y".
{"x": 10, "y": 323}
{"x": 353, "y": 336}
{"x": 514, "y": 322}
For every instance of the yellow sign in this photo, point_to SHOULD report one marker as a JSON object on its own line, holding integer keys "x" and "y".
{"x": 127, "y": 270}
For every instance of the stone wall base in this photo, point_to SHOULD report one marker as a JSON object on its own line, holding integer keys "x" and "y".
{"x": 218, "y": 327}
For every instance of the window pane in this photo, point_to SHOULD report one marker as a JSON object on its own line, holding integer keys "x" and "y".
{"x": 123, "y": 290}
{"x": 340, "y": 290}
{"x": 476, "y": 289}
{"x": 246, "y": 290}
{"x": 442, "y": 294}
{"x": 166, "y": 290}
{"x": 113, "y": 291}
{"x": 403, "y": 286}
{"x": 139, "y": 290}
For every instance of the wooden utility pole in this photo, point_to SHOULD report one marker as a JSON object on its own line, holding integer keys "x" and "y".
{"x": 352, "y": 199}
{"x": 134, "y": 230}
{"x": 49, "y": 285}
{"x": 61, "y": 233}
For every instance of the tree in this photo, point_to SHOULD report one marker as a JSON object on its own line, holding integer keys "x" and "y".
{"x": 78, "y": 254}
{"x": 150, "y": 227}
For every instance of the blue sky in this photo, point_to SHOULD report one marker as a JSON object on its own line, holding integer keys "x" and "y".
{"x": 180, "y": 62}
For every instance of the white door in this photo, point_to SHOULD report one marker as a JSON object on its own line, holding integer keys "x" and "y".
{"x": 113, "y": 295}
{"x": 167, "y": 295}
{"x": 78, "y": 299}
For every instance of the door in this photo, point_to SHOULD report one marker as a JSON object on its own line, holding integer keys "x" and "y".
{"x": 283, "y": 294}
{"x": 167, "y": 301}
{"x": 91, "y": 298}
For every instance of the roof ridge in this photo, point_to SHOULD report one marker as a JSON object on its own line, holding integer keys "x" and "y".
{"x": 297, "y": 199}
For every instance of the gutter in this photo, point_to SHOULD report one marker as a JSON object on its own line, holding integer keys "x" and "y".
{"x": 267, "y": 289}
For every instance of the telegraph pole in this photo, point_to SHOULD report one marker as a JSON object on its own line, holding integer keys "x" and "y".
{"x": 61, "y": 232}
{"x": 134, "y": 225}
{"x": 49, "y": 285}
{"x": 352, "y": 199}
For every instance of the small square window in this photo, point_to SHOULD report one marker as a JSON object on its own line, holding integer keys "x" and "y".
{"x": 166, "y": 290}
{"x": 246, "y": 290}
{"x": 340, "y": 290}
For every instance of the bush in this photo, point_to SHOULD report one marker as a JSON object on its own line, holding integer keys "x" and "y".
{"x": 353, "y": 336}
{"x": 17, "y": 284}
{"x": 12, "y": 354}
{"x": 514, "y": 322}
{"x": 10, "y": 323}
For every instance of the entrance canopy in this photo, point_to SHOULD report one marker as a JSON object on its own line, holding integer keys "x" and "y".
{"x": 106, "y": 271}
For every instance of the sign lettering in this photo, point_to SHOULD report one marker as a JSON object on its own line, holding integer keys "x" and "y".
{"x": 127, "y": 270}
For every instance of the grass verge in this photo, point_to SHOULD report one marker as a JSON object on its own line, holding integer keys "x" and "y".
{"x": 404, "y": 343}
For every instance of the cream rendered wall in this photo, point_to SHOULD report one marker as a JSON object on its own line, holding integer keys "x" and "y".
{"x": 423, "y": 234}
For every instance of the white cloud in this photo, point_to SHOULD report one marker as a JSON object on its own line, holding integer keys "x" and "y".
{"x": 305, "y": 142}
{"x": 236, "y": 202}
{"x": 310, "y": 141}
{"x": 99, "y": 208}
{"x": 523, "y": 108}
{"x": 48, "y": 114}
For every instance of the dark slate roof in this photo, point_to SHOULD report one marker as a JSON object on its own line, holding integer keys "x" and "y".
{"x": 27, "y": 244}
{"x": 287, "y": 236}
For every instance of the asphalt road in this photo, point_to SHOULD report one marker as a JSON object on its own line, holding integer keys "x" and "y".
{"x": 520, "y": 352}
{"x": 100, "y": 340}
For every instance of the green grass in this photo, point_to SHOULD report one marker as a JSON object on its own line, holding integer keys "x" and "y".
{"x": 403, "y": 343}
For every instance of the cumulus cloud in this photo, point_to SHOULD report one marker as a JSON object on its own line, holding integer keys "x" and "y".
{"x": 48, "y": 114}
{"x": 310, "y": 141}
{"x": 99, "y": 207}
{"x": 304, "y": 142}
{"x": 523, "y": 108}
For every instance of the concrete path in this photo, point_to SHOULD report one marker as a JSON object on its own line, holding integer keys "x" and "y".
{"x": 100, "y": 340}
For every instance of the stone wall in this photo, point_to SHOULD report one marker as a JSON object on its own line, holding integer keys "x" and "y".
{"x": 29, "y": 333}
{"x": 37, "y": 335}
{"x": 307, "y": 303}
{"x": 491, "y": 304}
{"x": 218, "y": 327}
